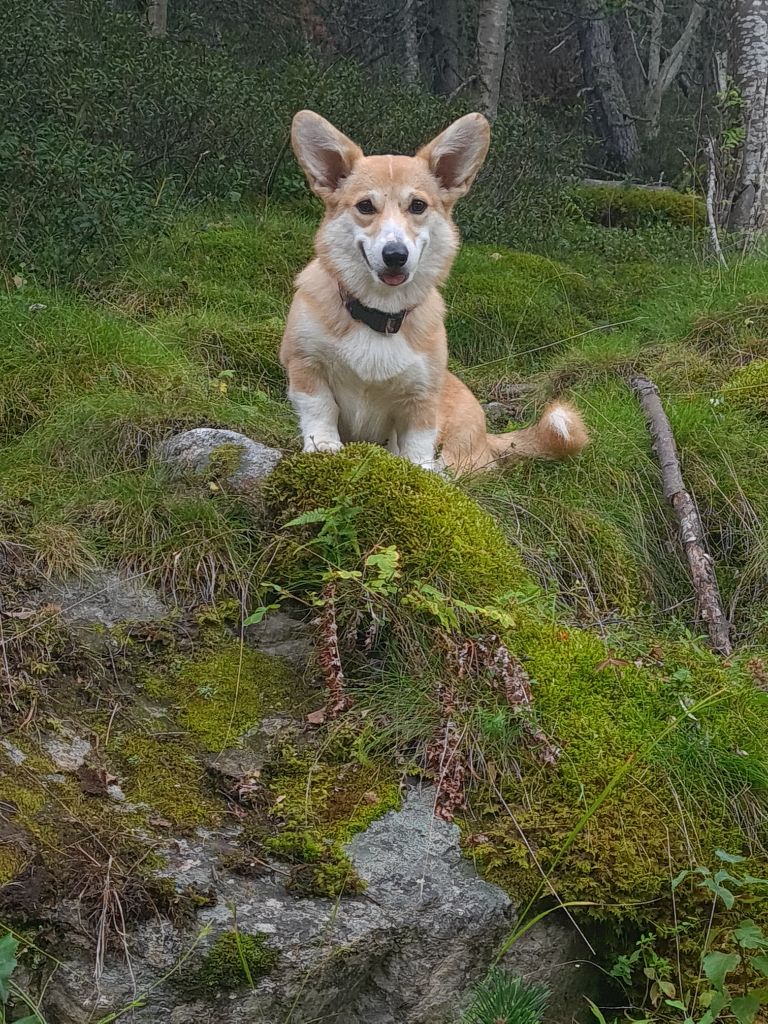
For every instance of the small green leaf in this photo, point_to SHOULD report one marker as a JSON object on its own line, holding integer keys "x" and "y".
{"x": 596, "y": 1012}
{"x": 745, "y": 1007}
{"x": 719, "y": 1002}
{"x": 729, "y": 858}
{"x": 315, "y": 515}
{"x": 717, "y": 965}
{"x": 675, "y": 1004}
{"x": 258, "y": 614}
{"x": 724, "y": 894}
{"x": 679, "y": 878}
{"x": 8, "y": 948}
{"x": 760, "y": 964}
{"x": 750, "y": 936}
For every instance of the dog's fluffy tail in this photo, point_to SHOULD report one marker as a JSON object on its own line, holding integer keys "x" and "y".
{"x": 559, "y": 434}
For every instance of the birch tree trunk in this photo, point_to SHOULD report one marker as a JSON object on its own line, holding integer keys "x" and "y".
{"x": 157, "y": 18}
{"x": 749, "y": 209}
{"x": 607, "y": 97}
{"x": 491, "y": 40}
{"x": 410, "y": 34}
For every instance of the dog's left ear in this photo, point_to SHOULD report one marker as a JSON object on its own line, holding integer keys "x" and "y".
{"x": 457, "y": 154}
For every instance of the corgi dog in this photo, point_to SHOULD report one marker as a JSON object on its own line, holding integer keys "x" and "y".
{"x": 365, "y": 347}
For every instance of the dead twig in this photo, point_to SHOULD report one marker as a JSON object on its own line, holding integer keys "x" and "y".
{"x": 691, "y": 531}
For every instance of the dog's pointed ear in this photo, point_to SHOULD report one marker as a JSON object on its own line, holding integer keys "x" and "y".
{"x": 456, "y": 155}
{"x": 325, "y": 154}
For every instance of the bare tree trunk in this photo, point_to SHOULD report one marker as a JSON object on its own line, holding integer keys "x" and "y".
{"x": 446, "y": 46}
{"x": 662, "y": 75}
{"x": 511, "y": 90}
{"x": 749, "y": 210}
{"x": 608, "y": 102}
{"x": 410, "y": 34}
{"x": 491, "y": 39}
{"x": 157, "y": 18}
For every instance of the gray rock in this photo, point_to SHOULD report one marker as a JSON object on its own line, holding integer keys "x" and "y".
{"x": 406, "y": 952}
{"x": 67, "y": 750}
{"x": 191, "y": 452}
{"x": 283, "y": 636}
{"x": 103, "y": 599}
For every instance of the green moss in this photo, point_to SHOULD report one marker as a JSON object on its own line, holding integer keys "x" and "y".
{"x": 626, "y": 206}
{"x": 234, "y": 960}
{"x": 12, "y": 860}
{"x": 504, "y": 305}
{"x": 749, "y": 387}
{"x": 222, "y": 696}
{"x": 320, "y": 867}
{"x": 165, "y": 774}
{"x": 442, "y": 535}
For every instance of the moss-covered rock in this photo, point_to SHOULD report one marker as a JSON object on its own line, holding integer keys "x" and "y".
{"x": 627, "y": 206}
{"x": 441, "y": 534}
{"x": 220, "y": 697}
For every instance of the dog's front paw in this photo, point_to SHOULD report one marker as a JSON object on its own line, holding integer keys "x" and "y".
{"x": 319, "y": 445}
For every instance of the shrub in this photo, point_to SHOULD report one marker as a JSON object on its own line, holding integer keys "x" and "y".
{"x": 107, "y": 132}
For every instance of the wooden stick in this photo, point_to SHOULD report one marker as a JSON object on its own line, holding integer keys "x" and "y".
{"x": 714, "y": 240}
{"x": 701, "y": 566}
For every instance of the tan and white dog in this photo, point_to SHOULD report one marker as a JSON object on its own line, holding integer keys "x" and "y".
{"x": 365, "y": 346}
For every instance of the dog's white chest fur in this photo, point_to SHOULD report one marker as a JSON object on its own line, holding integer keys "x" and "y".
{"x": 371, "y": 376}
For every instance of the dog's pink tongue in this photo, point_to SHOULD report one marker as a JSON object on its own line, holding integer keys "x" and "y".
{"x": 393, "y": 279}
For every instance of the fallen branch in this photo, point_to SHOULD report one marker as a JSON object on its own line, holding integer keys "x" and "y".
{"x": 700, "y": 563}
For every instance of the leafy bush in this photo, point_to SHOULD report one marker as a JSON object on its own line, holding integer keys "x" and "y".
{"x": 107, "y": 132}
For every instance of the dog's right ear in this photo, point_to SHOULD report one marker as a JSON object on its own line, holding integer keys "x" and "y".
{"x": 325, "y": 154}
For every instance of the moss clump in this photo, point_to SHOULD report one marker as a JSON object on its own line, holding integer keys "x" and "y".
{"x": 165, "y": 774}
{"x": 234, "y": 960}
{"x": 626, "y": 206}
{"x": 12, "y": 860}
{"x": 222, "y": 696}
{"x": 502, "y": 305}
{"x": 441, "y": 534}
{"x": 320, "y": 867}
{"x": 749, "y": 387}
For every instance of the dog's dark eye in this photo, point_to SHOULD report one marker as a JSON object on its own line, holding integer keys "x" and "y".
{"x": 417, "y": 206}
{"x": 366, "y": 206}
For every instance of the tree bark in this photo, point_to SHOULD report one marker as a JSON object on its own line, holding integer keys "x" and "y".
{"x": 446, "y": 47}
{"x": 749, "y": 209}
{"x": 662, "y": 75}
{"x": 700, "y": 563}
{"x": 491, "y": 40}
{"x": 157, "y": 18}
{"x": 410, "y": 34}
{"x": 511, "y": 89}
{"x": 609, "y": 106}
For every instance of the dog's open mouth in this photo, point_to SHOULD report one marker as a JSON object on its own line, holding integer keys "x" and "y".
{"x": 393, "y": 277}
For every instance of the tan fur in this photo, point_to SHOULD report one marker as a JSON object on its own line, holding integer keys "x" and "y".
{"x": 346, "y": 381}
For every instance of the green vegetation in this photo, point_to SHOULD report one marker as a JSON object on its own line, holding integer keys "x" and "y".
{"x": 234, "y": 960}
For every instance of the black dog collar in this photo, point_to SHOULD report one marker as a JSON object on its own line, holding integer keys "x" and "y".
{"x": 376, "y": 319}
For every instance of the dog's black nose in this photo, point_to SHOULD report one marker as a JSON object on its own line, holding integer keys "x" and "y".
{"x": 394, "y": 254}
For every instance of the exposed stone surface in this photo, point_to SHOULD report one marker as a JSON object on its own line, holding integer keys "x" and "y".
{"x": 406, "y": 952}
{"x": 283, "y": 636}
{"x": 192, "y": 451}
{"x": 67, "y": 751}
{"x": 103, "y": 599}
